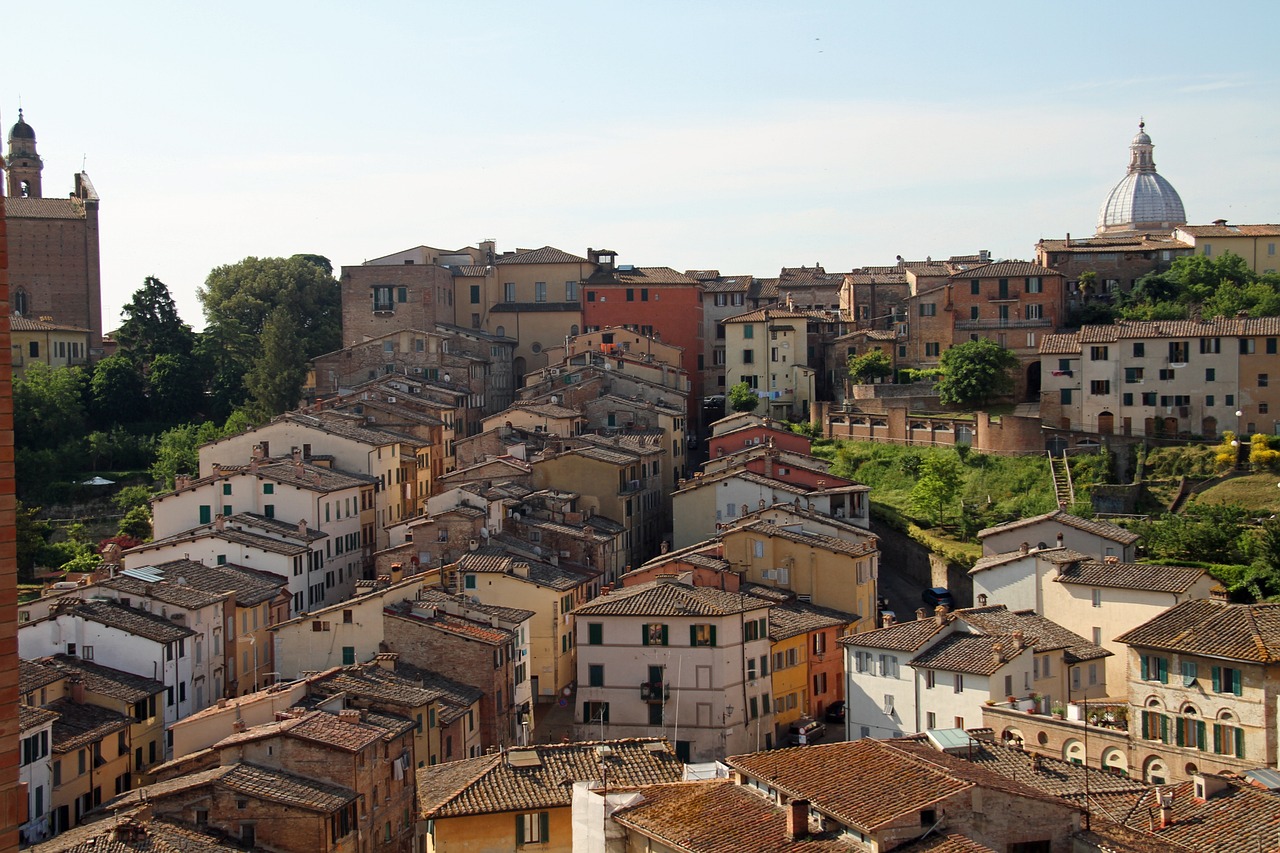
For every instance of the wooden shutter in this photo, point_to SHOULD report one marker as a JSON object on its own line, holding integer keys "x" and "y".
{"x": 644, "y": 635}
{"x": 1200, "y": 739}
{"x": 1217, "y": 679}
{"x": 713, "y": 642}
{"x": 1146, "y": 668}
{"x": 693, "y": 635}
{"x": 544, "y": 823}
{"x": 519, "y": 829}
{"x": 1239, "y": 743}
{"x": 1236, "y": 686}
{"x": 665, "y": 640}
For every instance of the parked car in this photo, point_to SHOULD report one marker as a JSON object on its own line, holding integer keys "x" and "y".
{"x": 805, "y": 731}
{"x": 938, "y": 595}
{"x": 835, "y": 712}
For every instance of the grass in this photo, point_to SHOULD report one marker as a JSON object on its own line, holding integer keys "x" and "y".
{"x": 1255, "y": 492}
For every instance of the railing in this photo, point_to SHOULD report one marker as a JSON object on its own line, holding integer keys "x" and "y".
{"x": 1003, "y": 324}
{"x": 654, "y": 691}
{"x": 384, "y": 308}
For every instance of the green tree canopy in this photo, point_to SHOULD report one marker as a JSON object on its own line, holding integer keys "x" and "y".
{"x": 275, "y": 381}
{"x": 975, "y": 371}
{"x": 177, "y": 387}
{"x": 870, "y": 366}
{"x": 938, "y": 486}
{"x": 118, "y": 391}
{"x": 1210, "y": 286}
{"x": 48, "y": 406}
{"x": 743, "y": 398}
{"x": 152, "y": 326}
{"x": 245, "y": 294}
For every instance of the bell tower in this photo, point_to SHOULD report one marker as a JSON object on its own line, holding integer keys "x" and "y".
{"x": 25, "y": 165}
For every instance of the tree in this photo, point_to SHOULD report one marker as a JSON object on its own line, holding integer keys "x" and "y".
{"x": 227, "y": 351}
{"x": 975, "y": 371}
{"x": 177, "y": 387}
{"x": 743, "y": 398}
{"x": 136, "y": 524}
{"x": 938, "y": 486}
{"x": 178, "y": 450}
{"x": 48, "y": 406}
{"x": 246, "y": 293}
{"x": 870, "y": 366}
{"x": 118, "y": 391}
{"x": 275, "y": 381}
{"x": 33, "y": 534}
{"x": 152, "y": 326}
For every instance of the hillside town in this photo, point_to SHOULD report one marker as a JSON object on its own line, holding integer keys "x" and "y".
{"x": 555, "y": 551}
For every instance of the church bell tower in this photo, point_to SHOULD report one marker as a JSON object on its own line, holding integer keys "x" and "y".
{"x": 25, "y": 165}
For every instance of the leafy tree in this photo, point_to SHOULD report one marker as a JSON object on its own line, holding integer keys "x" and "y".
{"x": 177, "y": 387}
{"x": 136, "y": 524}
{"x": 226, "y": 350}
{"x": 48, "y": 406}
{"x": 178, "y": 450}
{"x": 870, "y": 366}
{"x": 130, "y": 497}
{"x": 975, "y": 371}
{"x": 118, "y": 391}
{"x": 1202, "y": 532}
{"x": 246, "y": 293}
{"x": 152, "y": 327}
{"x": 938, "y": 486}
{"x": 275, "y": 381}
{"x": 743, "y": 398}
{"x": 33, "y": 534}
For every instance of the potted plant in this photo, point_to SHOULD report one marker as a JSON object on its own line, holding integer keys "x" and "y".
{"x": 1059, "y": 711}
{"x": 1011, "y": 699}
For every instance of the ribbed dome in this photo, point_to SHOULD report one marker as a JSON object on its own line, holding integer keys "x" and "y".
{"x": 22, "y": 130}
{"x": 1143, "y": 200}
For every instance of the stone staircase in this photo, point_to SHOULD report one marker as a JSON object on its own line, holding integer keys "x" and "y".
{"x": 1063, "y": 488}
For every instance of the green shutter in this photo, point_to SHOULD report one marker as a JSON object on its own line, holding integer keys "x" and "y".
{"x": 1163, "y": 666}
{"x": 1200, "y": 735}
{"x": 206, "y": 514}
{"x": 519, "y": 829}
{"x": 644, "y": 635}
{"x": 1164, "y": 728}
{"x": 1236, "y": 686}
{"x": 1146, "y": 725}
{"x": 1239, "y": 743}
{"x": 666, "y": 641}
{"x": 595, "y": 633}
{"x": 1178, "y": 735}
{"x": 693, "y": 635}
{"x": 1217, "y": 738}
{"x": 544, "y": 823}
{"x": 713, "y": 641}
{"x": 1146, "y": 668}
{"x": 1217, "y": 679}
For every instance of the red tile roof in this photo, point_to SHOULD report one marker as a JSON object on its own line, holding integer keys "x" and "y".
{"x": 1243, "y": 632}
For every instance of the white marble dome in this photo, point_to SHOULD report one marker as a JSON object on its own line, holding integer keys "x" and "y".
{"x": 1143, "y": 200}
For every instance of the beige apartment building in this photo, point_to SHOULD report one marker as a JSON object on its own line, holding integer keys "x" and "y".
{"x": 1166, "y": 378}
{"x": 1255, "y": 243}
{"x": 768, "y": 349}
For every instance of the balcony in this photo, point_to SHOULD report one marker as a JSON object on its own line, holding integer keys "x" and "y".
{"x": 654, "y": 692}
{"x": 384, "y": 308}
{"x": 1003, "y": 324}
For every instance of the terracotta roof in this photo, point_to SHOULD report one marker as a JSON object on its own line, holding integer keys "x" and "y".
{"x": 278, "y": 786}
{"x": 545, "y": 255}
{"x": 1244, "y": 632}
{"x": 1097, "y": 528}
{"x": 165, "y": 592}
{"x": 450, "y": 624}
{"x": 134, "y": 834}
{"x": 1141, "y": 576}
{"x": 1044, "y": 633}
{"x": 834, "y": 544}
{"x": 878, "y": 782}
{"x": 106, "y": 681}
{"x": 248, "y": 538}
{"x": 1240, "y": 817}
{"x": 1094, "y": 245}
{"x": 540, "y": 776}
{"x": 329, "y": 729}
{"x": 32, "y": 675}
{"x": 507, "y": 614}
{"x": 772, "y": 314}
{"x": 78, "y": 725}
{"x": 17, "y": 207}
{"x": 695, "y": 817}
{"x": 1210, "y": 230}
{"x": 137, "y": 622}
{"x": 546, "y": 410}
{"x": 33, "y": 716}
{"x": 1060, "y": 344}
{"x": 902, "y": 637}
{"x": 971, "y": 653}
{"x": 19, "y": 323}
{"x": 1005, "y": 269}
{"x": 662, "y": 598}
{"x": 791, "y": 617}
{"x": 251, "y": 586}
{"x": 949, "y": 843}
{"x": 639, "y": 276}
{"x": 1217, "y": 327}
{"x": 1051, "y": 555}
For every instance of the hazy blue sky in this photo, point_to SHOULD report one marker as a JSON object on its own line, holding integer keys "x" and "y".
{"x": 740, "y": 136}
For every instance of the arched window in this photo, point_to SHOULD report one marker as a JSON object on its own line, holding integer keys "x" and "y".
{"x": 1114, "y": 759}
{"x": 1154, "y": 771}
{"x": 501, "y": 331}
{"x": 573, "y": 330}
{"x": 1073, "y": 751}
{"x": 19, "y": 302}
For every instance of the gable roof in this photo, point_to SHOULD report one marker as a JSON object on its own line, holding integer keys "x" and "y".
{"x": 1044, "y": 633}
{"x": 1176, "y": 579}
{"x": 1097, "y": 528}
{"x": 545, "y": 255}
{"x": 137, "y": 622}
{"x": 902, "y": 637}
{"x": 1051, "y": 555}
{"x": 975, "y": 654}
{"x": 540, "y": 776}
{"x": 670, "y": 598}
{"x": 1244, "y": 632}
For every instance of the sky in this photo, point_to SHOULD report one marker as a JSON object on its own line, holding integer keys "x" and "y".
{"x": 740, "y": 136}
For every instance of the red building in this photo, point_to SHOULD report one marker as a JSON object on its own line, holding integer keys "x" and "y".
{"x": 654, "y": 301}
{"x": 756, "y": 435}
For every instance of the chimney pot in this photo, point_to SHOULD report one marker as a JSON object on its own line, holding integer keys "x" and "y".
{"x": 921, "y": 613}
{"x": 982, "y": 599}
{"x": 797, "y": 820}
{"x": 1024, "y": 548}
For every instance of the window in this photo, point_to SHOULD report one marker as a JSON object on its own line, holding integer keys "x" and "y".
{"x": 1098, "y": 354}
{"x": 1189, "y": 672}
{"x": 1226, "y": 680}
{"x": 702, "y": 635}
{"x": 1247, "y": 346}
{"x": 1262, "y": 380}
{"x": 975, "y": 287}
{"x": 1139, "y": 350}
{"x": 475, "y": 294}
{"x": 932, "y": 350}
{"x": 1212, "y": 346}
{"x": 469, "y": 582}
{"x": 595, "y": 675}
{"x": 1149, "y": 398}
{"x": 928, "y": 309}
{"x": 1133, "y": 374}
{"x": 595, "y": 634}
{"x": 654, "y": 634}
{"x": 1126, "y": 399}
{"x": 889, "y": 666}
{"x": 974, "y": 312}
{"x": 1033, "y": 312}
{"x": 539, "y": 291}
{"x": 509, "y": 291}
{"x": 748, "y": 330}
{"x": 1035, "y": 285}
{"x": 930, "y": 678}
{"x": 1097, "y": 598}
{"x": 1155, "y": 668}
{"x": 1271, "y": 346}
{"x": 1100, "y": 386}
{"x": 532, "y": 828}
{"x": 1064, "y": 396}
{"x": 748, "y": 356}
{"x": 1228, "y": 740}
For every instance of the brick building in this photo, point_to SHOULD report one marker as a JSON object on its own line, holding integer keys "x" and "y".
{"x": 54, "y": 268}
{"x": 1118, "y": 261}
{"x": 412, "y": 289}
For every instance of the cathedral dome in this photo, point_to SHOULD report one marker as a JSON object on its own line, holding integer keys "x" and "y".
{"x": 1143, "y": 200}
{"x": 21, "y": 130}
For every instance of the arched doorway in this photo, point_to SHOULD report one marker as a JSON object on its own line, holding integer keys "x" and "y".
{"x": 1106, "y": 423}
{"x": 1209, "y": 427}
{"x": 1170, "y": 426}
{"x": 518, "y": 369}
{"x": 1033, "y": 382}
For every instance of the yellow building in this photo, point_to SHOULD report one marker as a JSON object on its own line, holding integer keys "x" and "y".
{"x": 47, "y": 343}
{"x": 790, "y": 661}
{"x": 524, "y": 797}
{"x": 769, "y": 349}
{"x": 1255, "y": 243}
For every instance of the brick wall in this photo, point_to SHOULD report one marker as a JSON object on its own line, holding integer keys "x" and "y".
{"x": 421, "y": 283}
{"x": 56, "y": 262}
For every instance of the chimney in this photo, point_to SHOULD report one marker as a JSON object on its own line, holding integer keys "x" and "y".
{"x": 222, "y": 701}
{"x": 1165, "y": 798}
{"x": 297, "y": 469}
{"x": 1111, "y": 559}
{"x": 1019, "y": 640}
{"x": 302, "y": 527}
{"x": 296, "y": 453}
{"x": 921, "y": 613}
{"x": 797, "y": 820}
{"x": 1059, "y": 540}
{"x": 1221, "y": 223}
{"x": 316, "y": 478}
{"x": 940, "y": 614}
{"x": 982, "y": 599}
{"x": 397, "y": 572}
{"x": 349, "y": 715}
{"x": 240, "y": 725}
{"x": 997, "y": 653}
{"x": 256, "y": 453}
{"x": 1024, "y": 549}
{"x": 1219, "y": 593}
{"x": 887, "y": 620}
{"x": 77, "y": 689}
{"x": 253, "y": 465}
{"x": 386, "y": 660}
{"x": 219, "y": 521}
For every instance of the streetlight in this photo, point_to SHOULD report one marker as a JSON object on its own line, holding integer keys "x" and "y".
{"x": 1238, "y": 443}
